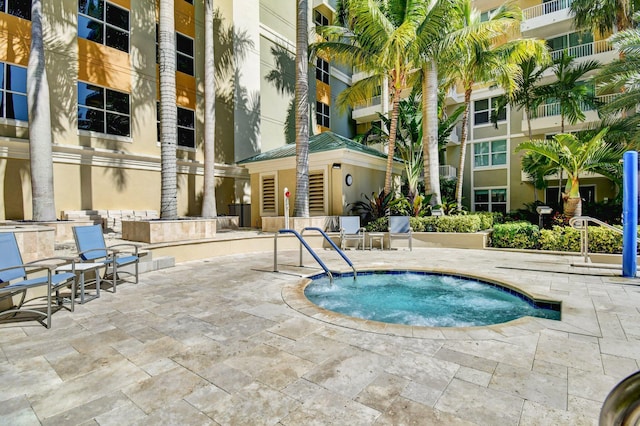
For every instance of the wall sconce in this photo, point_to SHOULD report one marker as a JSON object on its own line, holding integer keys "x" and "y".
{"x": 336, "y": 166}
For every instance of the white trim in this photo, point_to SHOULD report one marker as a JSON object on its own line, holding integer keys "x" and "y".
{"x": 106, "y": 136}
{"x": 277, "y": 38}
{"x": 339, "y": 75}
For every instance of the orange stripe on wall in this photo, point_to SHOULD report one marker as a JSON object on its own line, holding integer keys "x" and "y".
{"x": 103, "y": 65}
{"x": 185, "y": 89}
{"x": 122, "y": 3}
{"x": 15, "y": 39}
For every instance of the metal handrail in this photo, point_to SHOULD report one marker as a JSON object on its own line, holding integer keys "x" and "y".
{"x": 581, "y": 224}
{"x": 304, "y": 243}
{"x": 337, "y": 249}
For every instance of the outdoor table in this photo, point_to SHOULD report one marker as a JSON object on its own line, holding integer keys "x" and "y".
{"x": 376, "y": 235}
{"x": 81, "y": 270}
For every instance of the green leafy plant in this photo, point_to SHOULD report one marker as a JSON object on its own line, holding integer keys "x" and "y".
{"x": 371, "y": 208}
{"x": 520, "y": 235}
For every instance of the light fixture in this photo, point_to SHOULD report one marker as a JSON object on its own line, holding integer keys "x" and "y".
{"x": 336, "y": 166}
{"x": 348, "y": 179}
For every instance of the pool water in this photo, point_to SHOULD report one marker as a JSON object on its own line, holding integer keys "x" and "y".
{"x": 424, "y": 299}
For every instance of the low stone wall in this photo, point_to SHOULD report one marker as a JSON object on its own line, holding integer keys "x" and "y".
{"x": 35, "y": 242}
{"x": 275, "y": 223}
{"x": 111, "y": 220}
{"x": 162, "y": 231}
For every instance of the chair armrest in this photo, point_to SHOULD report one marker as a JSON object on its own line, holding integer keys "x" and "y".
{"x": 107, "y": 250}
{"x": 134, "y": 246}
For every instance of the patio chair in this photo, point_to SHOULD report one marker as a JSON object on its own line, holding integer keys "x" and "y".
{"x": 17, "y": 278}
{"x": 350, "y": 230}
{"x": 399, "y": 229}
{"x": 92, "y": 248}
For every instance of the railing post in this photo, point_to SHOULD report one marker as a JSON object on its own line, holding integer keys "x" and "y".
{"x": 275, "y": 252}
{"x": 630, "y": 214}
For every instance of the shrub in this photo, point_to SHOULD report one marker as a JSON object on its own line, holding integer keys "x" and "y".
{"x": 460, "y": 223}
{"x": 381, "y": 224}
{"x": 560, "y": 238}
{"x": 520, "y": 235}
{"x": 603, "y": 240}
{"x": 488, "y": 219}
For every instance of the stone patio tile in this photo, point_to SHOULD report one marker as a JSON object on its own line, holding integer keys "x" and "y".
{"x": 621, "y": 347}
{"x": 421, "y": 393}
{"x": 163, "y": 389}
{"x": 545, "y": 389}
{"x": 295, "y": 328}
{"x": 88, "y": 411}
{"x": 227, "y": 378}
{"x": 27, "y": 377}
{"x": 71, "y": 365}
{"x": 590, "y": 385}
{"x": 83, "y": 389}
{"x": 471, "y": 375}
{"x": 330, "y": 408}
{"x": 407, "y": 412}
{"x": 349, "y": 372}
{"x": 18, "y": 412}
{"x": 177, "y": 413}
{"x": 467, "y": 360}
{"x": 380, "y": 393}
{"x": 479, "y": 404}
{"x": 255, "y": 404}
{"x": 549, "y": 368}
{"x": 618, "y": 366}
{"x": 630, "y": 325}
{"x": 302, "y": 390}
{"x": 315, "y": 347}
{"x": 497, "y": 351}
{"x": 534, "y": 414}
{"x": 127, "y": 413}
{"x": 432, "y": 372}
{"x": 569, "y": 352}
{"x": 586, "y": 407}
{"x": 152, "y": 350}
{"x": 271, "y": 311}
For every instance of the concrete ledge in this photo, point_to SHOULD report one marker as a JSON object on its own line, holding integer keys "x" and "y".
{"x": 35, "y": 241}
{"x": 162, "y": 231}
{"x": 275, "y": 223}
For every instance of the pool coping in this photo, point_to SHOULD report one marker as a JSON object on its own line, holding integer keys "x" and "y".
{"x": 293, "y": 295}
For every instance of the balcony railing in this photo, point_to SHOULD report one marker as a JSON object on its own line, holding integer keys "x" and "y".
{"x": 447, "y": 172}
{"x": 545, "y": 8}
{"x": 549, "y": 110}
{"x": 376, "y": 100}
{"x": 583, "y": 50}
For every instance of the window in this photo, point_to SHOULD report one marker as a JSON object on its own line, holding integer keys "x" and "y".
{"x": 322, "y": 70}
{"x": 488, "y": 14}
{"x": 186, "y": 127}
{"x": 483, "y": 108}
{"x": 316, "y": 191}
{"x": 184, "y": 48}
{"x": 490, "y": 200}
{"x": 577, "y": 44}
{"x": 319, "y": 18}
{"x": 493, "y": 153}
{"x": 13, "y": 92}
{"x": 322, "y": 115}
{"x": 104, "y": 23}
{"x": 268, "y": 195}
{"x": 19, "y": 8}
{"x": 103, "y": 110}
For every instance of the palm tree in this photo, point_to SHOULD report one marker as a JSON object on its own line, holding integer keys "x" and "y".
{"x": 576, "y": 157}
{"x": 621, "y": 77}
{"x": 301, "y": 206}
{"x": 485, "y": 60}
{"x": 567, "y": 91}
{"x": 40, "y": 151}
{"x": 168, "y": 111}
{"x": 209, "y": 192}
{"x": 377, "y": 38}
{"x": 604, "y": 16}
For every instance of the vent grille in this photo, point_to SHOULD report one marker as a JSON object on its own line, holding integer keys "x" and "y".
{"x": 316, "y": 191}
{"x": 269, "y": 194}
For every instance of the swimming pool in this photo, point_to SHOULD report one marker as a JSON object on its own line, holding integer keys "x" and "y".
{"x": 425, "y": 299}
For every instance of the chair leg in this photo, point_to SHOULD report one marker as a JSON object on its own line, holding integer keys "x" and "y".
{"x": 137, "y": 272}
{"x": 49, "y": 303}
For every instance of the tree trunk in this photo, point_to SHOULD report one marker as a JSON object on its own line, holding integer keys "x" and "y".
{"x": 430, "y": 147}
{"x": 527, "y": 113}
{"x": 209, "y": 192}
{"x": 463, "y": 147}
{"x": 572, "y": 206}
{"x": 168, "y": 111}
{"x": 301, "y": 206}
{"x": 40, "y": 151}
{"x": 393, "y": 128}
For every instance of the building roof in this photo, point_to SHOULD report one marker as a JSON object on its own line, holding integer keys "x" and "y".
{"x": 326, "y": 141}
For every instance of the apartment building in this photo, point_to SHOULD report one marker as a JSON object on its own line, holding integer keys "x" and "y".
{"x": 493, "y": 180}
{"x": 101, "y": 60}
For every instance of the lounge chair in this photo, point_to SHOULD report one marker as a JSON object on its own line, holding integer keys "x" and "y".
{"x": 92, "y": 248}
{"x": 399, "y": 228}
{"x": 17, "y": 278}
{"x": 350, "y": 230}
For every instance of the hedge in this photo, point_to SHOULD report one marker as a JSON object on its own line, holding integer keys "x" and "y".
{"x": 460, "y": 223}
{"x": 521, "y": 235}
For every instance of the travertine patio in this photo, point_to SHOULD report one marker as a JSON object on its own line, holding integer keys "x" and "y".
{"x": 216, "y": 342}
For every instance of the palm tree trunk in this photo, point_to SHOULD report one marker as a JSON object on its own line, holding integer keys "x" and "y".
{"x": 209, "y": 192}
{"x": 168, "y": 111}
{"x": 40, "y": 151}
{"x": 393, "y": 128}
{"x": 301, "y": 206}
{"x": 527, "y": 113}
{"x": 463, "y": 147}
{"x": 430, "y": 132}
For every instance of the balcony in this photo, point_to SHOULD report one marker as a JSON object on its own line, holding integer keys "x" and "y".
{"x": 547, "y": 117}
{"x": 546, "y": 19}
{"x": 447, "y": 172}
{"x": 368, "y": 111}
